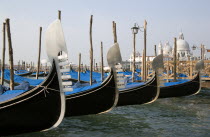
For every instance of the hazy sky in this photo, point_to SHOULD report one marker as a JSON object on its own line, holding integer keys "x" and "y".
{"x": 166, "y": 18}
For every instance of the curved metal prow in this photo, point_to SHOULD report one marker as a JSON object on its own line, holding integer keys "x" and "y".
{"x": 114, "y": 60}
{"x": 199, "y": 65}
{"x": 114, "y": 55}
{"x": 57, "y": 51}
{"x": 157, "y": 62}
{"x": 157, "y": 66}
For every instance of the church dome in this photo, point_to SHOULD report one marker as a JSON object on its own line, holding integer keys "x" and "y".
{"x": 182, "y": 45}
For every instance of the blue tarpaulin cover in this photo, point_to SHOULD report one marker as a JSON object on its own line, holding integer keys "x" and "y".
{"x": 19, "y": 79}
{"x": 82, "y": 87}
{"x": 179, "y": 81}
{"x": 34, "y": 73}
{"x": 10, "y": 94}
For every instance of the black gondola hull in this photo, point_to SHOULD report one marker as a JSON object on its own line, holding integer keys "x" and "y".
{"x": 24, "y": 74}
{"x": 98, "y": 100}
{"x": 184, "y": 89}
{"x": 36, "y": 110}
{"x": 146, "y": 93}
{"x": 41, "y": 75}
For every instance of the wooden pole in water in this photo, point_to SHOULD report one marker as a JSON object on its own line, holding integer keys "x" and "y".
{"x": 3, "y": 55}
{"x": 167, "y": 69}
{"x": 155, "y": 50}
{"x": 145, "y": 50}
{"x": 102, "y": 63}
{"x": 96, "y": 67}
{"x": 10, "y": 54}
{"x": 142, "y": 66}
{"x": 175, "y": 60}
{"x": 59, "y": 14}
{"x": 79, "y": 67}
{"x": 191, "y": 69}
{"x": 114, "y": 31}
{"x": 40, "y": 39}
{"x": 24, "y": 65}
{"x": 31, "y": 66}
{"x": 202, "y": 51}
{"x": 94, "y": 64}
{"x": 21, "y": 64}
{"x": 91, "y": 50}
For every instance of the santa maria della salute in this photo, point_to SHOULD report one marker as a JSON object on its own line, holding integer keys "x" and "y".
{"x": 183, "y": 49}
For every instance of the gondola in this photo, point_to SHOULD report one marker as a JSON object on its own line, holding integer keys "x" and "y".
{"x": 146, "y": 93}
{"x": 191, "y": 87}
{"x": 22, "y": 72}
{"x": 184, "y": 89}
{"x": 41, "y": 108}
{"x": 40, "y": 74}
{"x": 142, "y": 93}
{"x": 99, "y": 99}
{"x": 34, "y": 110}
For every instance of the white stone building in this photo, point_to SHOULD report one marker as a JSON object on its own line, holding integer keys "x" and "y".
{"x": 183, "y": 49}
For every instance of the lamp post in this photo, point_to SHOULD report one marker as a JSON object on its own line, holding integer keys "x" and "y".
{"x": 134, "y": 31}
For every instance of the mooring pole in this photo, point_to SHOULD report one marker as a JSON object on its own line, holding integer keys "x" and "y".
{"x": 10, "y": 54}
{"x": 94, "y": 64}
{"x": 202, "y": 51}
{"x": 91, "y": 49}
{"x": 59, "y": 14}
{"x": 79, "y": 67}
{"x": 3, "y": 55}
{"x": 155, "y": 50}
{"x": 31, "y": 66}
{"x": 142, "y": 66}
{"x": 145, "y": 50}
{"x": 102, "y": 63}
{"x": 21, "y": 64}
{"x": 39, "y": 54}
{"x": 114, "y": 31}
{"x": 175, "y": 60}
{"x": 18, "y": 65}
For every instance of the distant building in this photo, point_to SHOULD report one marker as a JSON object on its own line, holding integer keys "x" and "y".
{"x": 183, "y": 53}
{"x": 138, "y": 60}
{"x": 183, "y": 49}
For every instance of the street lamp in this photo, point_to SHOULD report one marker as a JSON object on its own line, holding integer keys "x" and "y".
{"x": 134, "y": 31}
{"x": 193, "y": 47}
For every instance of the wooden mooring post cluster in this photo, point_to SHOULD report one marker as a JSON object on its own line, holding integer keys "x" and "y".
{"x": 186, "y": 69}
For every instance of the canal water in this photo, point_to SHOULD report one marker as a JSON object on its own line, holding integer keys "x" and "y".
{"x": 172, "y": 117}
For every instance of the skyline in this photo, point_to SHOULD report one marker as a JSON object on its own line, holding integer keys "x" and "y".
{"x": 165, "y": 20}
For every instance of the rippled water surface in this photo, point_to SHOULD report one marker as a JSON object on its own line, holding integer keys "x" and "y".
{"x": 185, "y": 116}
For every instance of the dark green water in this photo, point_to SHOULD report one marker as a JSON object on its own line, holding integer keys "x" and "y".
{"x": 172, "y": 117}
